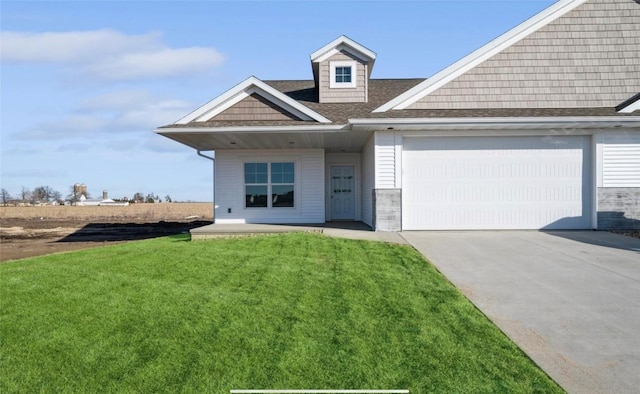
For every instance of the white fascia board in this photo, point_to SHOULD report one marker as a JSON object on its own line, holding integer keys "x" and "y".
{"x": 343, "y": 43}
{"x": 224, "y": 97}
{"x": 244, "y": 89}
{"x": 576, "y": 121}
{"x": 254, "y": 129}
{"x": 631, "y": 108}
{"x": 480, "y": 55}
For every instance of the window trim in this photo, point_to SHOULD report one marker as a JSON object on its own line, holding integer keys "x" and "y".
{"x": 269, "y": 184}
{"x": 332, "y": 74}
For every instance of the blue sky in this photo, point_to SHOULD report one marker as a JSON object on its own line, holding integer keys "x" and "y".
{"x": 84, "y": 83}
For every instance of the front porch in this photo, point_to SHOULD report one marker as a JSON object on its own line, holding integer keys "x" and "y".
{"x": 346, "y": 229}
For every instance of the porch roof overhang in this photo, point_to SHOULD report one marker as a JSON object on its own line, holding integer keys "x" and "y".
{"x": 331, "y": 138}
{"x": 352, "y": 136}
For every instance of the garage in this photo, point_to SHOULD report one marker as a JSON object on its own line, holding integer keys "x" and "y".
{"x": 474, "y": 183}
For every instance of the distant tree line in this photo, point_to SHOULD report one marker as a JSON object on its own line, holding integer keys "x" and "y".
{"x": 47, "y": 195}
{"x": 40, "y": 194}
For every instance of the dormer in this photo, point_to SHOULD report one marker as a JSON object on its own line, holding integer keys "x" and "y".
{"x": 341, "y": 71}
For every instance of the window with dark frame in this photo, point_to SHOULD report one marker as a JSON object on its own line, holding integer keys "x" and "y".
{"x": 269, "y": 185}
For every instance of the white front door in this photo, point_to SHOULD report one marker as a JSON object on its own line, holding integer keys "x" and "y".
{"x": 342, "y": 193}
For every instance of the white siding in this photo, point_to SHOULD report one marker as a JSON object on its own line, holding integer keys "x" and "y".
{"x": 309, "y": 193}
{"x": 385, "y": 160}
{"x": 368, "y": 181}
{"x": 621, "y": 161}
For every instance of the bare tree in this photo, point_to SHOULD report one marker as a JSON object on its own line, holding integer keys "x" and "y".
{"x": 56, "y": 196}
{"x": 44, "y": 193}
{"x": 167, "y": 198}
{"x": 25, "y": 194}
{"x": 4, "y": 196}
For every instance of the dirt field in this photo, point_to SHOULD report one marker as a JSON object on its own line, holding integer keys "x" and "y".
{"x": 35, "y": 231}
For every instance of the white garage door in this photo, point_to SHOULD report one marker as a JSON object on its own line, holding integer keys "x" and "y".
{"x": 454, "y": 183}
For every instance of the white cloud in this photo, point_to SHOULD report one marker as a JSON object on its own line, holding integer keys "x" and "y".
{"x": 20, "y": 151}
{"x": 153, "y": 114}
{"x": 164, "y": 62}
{"x": 74, "y": 46}
{"x": 74, "y": 126}
{"x": 117, "y": 100}
{"x": 111, "y": 115}
{"x": 108, "y": 54}
{"x": 73, "y": 148}
{"x": 137, "y": 108}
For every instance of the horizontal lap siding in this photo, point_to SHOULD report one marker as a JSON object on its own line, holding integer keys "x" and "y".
{"x": 309, "y": 190}
{"x": 619, "y": 198}
{"x": 368, "y": 176}
{"x": 621, "y": 161}
{"x": 227, "y": 178}
{"x": 385, "y": 160}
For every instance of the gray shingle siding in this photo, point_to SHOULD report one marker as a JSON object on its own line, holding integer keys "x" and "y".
{"x": 254, "y": 107}
{"x": 589, "y": 57}
{"x": 343, "y": 95}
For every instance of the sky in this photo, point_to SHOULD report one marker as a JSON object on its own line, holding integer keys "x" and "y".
{"x": 83, "y": 84}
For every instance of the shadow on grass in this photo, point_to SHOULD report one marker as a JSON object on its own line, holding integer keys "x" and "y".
{"x": 107, "y": 232}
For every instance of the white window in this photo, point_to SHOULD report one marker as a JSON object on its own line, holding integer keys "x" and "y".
{"x": 342, "y": 74}
{"x": 262, "y": 180}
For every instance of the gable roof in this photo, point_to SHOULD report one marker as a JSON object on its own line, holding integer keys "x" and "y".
{"x": 381, "y": 90}
{"x": 305, "y": 94}
{"x": 343, "y": 43}
{"x": 244, "y": 89}
{"x": 295, "y": 105}
{"x": 485, "y": 52}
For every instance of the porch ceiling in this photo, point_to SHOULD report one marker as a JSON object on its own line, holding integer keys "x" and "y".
{"x": 332, "y": 141}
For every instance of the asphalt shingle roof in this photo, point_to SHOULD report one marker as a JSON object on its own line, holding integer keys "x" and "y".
{"x": 382, "y": 91}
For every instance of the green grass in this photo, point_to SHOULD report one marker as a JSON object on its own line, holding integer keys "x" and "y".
{"x": 289, "y": 311}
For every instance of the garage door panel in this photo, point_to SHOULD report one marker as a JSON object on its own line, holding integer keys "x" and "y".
{"x": 495, "y": 182}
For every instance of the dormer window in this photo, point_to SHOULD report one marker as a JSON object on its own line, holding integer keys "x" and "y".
{"x": 342, "y": 74}
{"x": 341, "y": 71}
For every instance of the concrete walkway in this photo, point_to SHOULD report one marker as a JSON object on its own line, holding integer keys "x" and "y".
{"x": 347, "y": 229}
{"x": 569, "y": 299}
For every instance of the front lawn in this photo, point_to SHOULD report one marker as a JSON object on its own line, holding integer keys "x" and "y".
{"x": 293, "y": 311}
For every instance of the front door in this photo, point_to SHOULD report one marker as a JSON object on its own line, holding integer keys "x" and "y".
{"x": 342, "y": 193}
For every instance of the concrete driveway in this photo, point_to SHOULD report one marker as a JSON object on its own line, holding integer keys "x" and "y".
{"x": 569, "y": 299}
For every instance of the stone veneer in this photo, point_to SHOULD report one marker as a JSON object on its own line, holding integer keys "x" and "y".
{"x": 619, "y": 208}
{"x": 387, "y": 213}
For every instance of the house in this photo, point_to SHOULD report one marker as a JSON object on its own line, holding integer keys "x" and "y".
{"x": 83, "y": 201}
{"x": 538, "y": 129}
